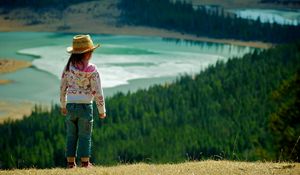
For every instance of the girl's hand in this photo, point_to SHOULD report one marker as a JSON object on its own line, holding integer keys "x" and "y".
{"x": 64, "y": 111}
{"x": 102, "y": 116}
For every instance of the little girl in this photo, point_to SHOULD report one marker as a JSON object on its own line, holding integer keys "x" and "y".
{"x": 80, "y": 84}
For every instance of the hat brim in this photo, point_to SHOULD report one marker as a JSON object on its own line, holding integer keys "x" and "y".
{"x": 70, "y": 49}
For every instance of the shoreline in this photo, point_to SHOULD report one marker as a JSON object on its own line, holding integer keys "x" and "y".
{"x": 253, "y": 4}
{"x": 11, "y": 110}
{"x": 2, "y": 82}
{"x": 14, "y": 110}
{"x": 154, "y": 32}
{"x": 105, "y": 22}
{"x": 12, "y": 65}
{"x": 144, "y": 31}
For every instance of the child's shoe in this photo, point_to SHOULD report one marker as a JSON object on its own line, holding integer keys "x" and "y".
{"x": 71, "y": 165}
{"x": 86, "y": 164}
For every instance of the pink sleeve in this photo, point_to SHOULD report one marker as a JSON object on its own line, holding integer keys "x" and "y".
{"x": 63, "y": 89}
{"x": 97, "y": 92}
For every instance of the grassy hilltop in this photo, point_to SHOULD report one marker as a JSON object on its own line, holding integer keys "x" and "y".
{"x": 203, "y": 167}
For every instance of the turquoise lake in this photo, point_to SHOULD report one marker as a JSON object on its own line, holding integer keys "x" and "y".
{"x": 126, "y": 63}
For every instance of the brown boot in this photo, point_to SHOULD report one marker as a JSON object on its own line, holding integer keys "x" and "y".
{"x": 85, "y": 162}
{"x": 71, "y": 162}
{"x": 71, "y": 165}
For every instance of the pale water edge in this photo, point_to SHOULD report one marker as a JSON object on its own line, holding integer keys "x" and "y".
{"x": 284, "y": 17}
{"x": 126, "y": 63}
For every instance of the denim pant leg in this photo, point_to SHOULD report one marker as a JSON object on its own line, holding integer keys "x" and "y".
{"x": 72, "y": 131}
{"x": 85, "y": 126}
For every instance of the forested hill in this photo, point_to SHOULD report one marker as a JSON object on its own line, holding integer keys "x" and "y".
{"x": 220, "y": 113}
{"x": 183, "y": 17}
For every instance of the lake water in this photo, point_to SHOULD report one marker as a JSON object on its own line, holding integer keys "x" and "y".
{"x": 125, "y": 62}
{"x": 283, "y": 17}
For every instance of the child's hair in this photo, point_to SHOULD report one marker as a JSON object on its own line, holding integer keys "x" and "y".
{"x": 74, "y": 59}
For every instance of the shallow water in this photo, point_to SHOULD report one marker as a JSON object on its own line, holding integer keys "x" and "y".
{"x": 126, "y": 63}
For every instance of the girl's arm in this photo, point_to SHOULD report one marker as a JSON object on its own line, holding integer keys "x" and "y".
{"x": 97, "y": 91}
{"x": 63, "y": 90}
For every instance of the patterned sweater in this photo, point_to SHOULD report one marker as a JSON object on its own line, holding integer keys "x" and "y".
{"x": 82, "y": 87}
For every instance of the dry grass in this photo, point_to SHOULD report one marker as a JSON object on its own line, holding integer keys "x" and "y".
{"x": 188, "y": 168}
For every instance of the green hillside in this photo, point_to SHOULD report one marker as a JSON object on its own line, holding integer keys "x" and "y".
{"x": 220, "y": 113}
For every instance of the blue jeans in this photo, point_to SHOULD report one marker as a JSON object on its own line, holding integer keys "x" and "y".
{"x": 79, "y": 124}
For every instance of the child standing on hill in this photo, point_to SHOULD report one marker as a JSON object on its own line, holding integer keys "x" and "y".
{"x": 80, "y": 84}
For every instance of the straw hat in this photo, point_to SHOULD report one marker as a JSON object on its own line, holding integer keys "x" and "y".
{"x": 82, "y": 44}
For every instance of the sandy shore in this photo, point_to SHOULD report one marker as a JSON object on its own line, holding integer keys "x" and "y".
{"x": 95, "y": 17}
{"x": 10, "y": 65}
{"x": 14, "y": 110}
{"x": 5, "y": 81}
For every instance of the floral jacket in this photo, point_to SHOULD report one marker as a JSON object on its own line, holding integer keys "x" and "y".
{"x": 82, "y": 87}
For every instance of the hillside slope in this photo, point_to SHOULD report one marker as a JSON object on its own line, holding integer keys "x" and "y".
{"x": 220, "y": 113}
{"x": 203, "y": 167}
